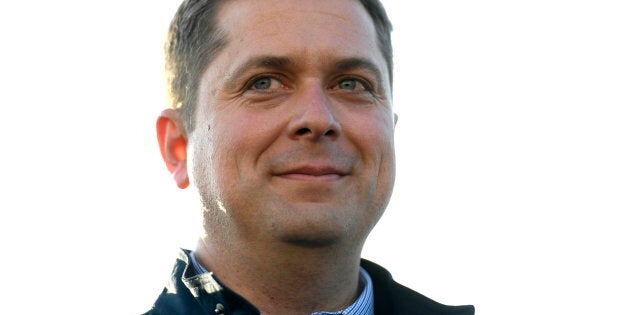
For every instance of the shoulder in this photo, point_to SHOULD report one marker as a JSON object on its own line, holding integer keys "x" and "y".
{"x": 176, "y": 297}
{"x": 391, "y": 297}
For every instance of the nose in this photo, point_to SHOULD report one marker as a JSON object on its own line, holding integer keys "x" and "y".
{"x": 314, "y": 117}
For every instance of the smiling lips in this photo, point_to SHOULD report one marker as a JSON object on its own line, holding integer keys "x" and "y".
{"x": 313, "y": 173}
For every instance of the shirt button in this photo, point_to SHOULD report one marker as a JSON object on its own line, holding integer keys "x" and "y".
{"x": 219, "y": 309}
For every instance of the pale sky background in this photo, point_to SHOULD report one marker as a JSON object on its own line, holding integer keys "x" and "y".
{"x": 513, "y": 151}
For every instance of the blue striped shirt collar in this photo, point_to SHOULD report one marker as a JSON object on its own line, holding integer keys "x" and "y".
{"x": 364, "y": 305}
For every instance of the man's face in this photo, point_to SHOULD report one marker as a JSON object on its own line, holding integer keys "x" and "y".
{"x": 294, "y": 127}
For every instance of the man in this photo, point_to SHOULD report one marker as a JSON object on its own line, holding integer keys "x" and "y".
{"x": 283, "y": 123}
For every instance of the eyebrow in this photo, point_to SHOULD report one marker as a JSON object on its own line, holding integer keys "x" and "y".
{"x": 280, "y": 62}
{"x": 262, "y": 62}
{"x": 354, "y": 63}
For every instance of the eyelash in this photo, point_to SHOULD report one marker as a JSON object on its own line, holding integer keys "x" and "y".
{"x": 364, "y": 83}
{"x": 250, "y": 83}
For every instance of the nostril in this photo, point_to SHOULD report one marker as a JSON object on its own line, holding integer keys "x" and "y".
{"x": 303, "y": 131}
{"x": 329, "y": 132}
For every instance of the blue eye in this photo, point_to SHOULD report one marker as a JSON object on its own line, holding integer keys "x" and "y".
{"x": 348, "y": 84}
{"x": 262, "y": 83}
{"x": 265, "y": 83}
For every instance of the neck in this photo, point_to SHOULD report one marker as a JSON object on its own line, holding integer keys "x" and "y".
{"x": 283, "y": 278}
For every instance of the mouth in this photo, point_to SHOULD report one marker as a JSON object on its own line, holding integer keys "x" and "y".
{"x": 313, "y": 173}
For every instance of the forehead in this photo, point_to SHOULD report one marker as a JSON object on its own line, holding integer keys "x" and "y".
{"x": 311, "y": 29}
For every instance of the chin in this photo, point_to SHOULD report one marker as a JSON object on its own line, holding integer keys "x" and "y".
{"x": 311, "y": 232}
{"x": 311, "y": 241}
{"x": 313, "y": 225}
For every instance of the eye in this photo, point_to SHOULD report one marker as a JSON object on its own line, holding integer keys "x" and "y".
{"x": 265, "y": 83}
{"x": 351, "y": 84}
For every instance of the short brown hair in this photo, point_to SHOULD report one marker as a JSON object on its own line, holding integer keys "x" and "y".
{"x": 194, "y": 39}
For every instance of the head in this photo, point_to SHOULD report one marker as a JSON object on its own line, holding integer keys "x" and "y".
{"x": 285, "y": 126}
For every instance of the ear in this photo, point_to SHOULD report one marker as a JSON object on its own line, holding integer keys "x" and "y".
{"x": 172, "y": 139}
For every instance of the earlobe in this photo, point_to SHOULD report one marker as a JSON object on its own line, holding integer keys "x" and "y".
{"x": 173, "y": 141}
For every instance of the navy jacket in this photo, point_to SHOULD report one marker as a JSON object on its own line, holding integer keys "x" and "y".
{"x": 190, "y": 294}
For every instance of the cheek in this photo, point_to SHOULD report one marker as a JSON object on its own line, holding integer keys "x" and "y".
{"x": 375, "y": 139}
{"x": 242, "y": 138}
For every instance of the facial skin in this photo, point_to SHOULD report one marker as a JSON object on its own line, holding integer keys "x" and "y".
{"x": 293, "y": 138}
